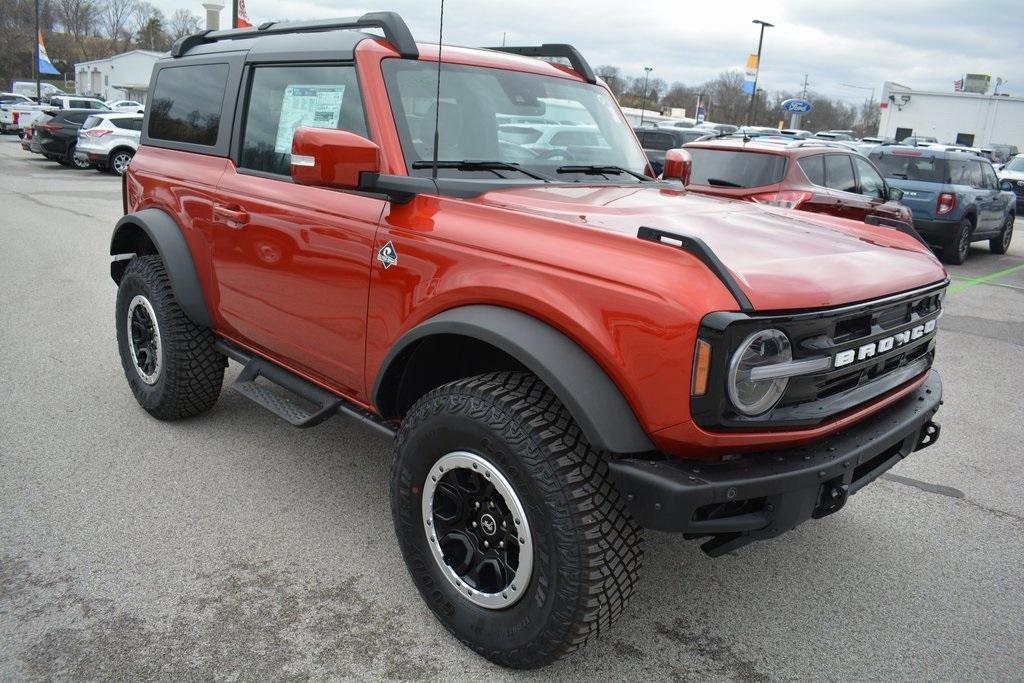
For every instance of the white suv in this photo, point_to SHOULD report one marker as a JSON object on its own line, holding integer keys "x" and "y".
{"x": 108, "y": 140}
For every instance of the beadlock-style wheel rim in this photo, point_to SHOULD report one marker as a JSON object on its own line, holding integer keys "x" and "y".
{"x": 477, "y": 530}
{"x": 144, "y": 339}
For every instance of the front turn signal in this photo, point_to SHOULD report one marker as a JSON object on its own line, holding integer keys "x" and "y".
{"x": 701, "y": 368}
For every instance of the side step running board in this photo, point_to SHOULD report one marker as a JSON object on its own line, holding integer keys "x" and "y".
{"x": 324, "y": 403}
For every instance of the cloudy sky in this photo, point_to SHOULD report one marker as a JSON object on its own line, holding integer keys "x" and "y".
{"x": 837, "y": 43}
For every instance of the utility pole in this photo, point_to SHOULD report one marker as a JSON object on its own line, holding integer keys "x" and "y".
{"x": 794, "y": 119}
{"x": 643, "y": 105}
{"x": 35, "y": 58}
{"x": 503, "y": 35}
{"x": 757, "y": 71}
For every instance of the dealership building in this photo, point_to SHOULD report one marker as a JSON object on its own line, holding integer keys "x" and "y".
{"x": 121, "y": 77}
{"x": 967, "y": 118}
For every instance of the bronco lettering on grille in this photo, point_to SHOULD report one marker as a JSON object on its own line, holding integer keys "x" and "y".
{"x": 883, "y": 345}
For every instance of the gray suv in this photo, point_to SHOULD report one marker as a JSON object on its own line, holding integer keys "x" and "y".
{"x": 108, "y": 141}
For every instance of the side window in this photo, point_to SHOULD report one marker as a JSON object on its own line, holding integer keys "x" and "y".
{"x": 814, "y": 169}
{"x": 989, "y": 175}
{"x": 871, "y": 184}
{"x": 79, "y": 104}
{"x": 284, "y": 98}
{"x": 644, "y": 139}
{"x": 662, "y": 141}
{"x": 839, "y": 173}
{"x": 186, "y": 104}
{"x": 129, "y": 124}
{"x": 965, "y": 172}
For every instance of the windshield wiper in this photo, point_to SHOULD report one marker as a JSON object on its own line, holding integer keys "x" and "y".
{"x": 480, "y": 165}
{"x": 718, "y": 182}
{"x": 601, "y": 169}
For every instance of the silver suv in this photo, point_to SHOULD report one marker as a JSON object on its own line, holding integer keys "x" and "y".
{"x": 108, "y": 141}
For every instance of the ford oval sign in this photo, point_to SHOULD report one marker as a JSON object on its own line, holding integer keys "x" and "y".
{"x": 798, "y": 106}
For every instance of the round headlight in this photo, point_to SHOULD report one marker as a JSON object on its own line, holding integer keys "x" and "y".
{"x": 768, "y": 347}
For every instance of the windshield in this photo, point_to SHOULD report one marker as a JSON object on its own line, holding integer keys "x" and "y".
{"x": 546, "y": 125}
{"x": 725, "y": 168}
{"x": 1016, "y": 164}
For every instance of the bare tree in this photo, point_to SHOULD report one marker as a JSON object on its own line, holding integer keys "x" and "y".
{"x": 183, "y": 22}
{"x": 149, "y": 27}
{"x": 78, "y": 18}
{"x": 116, "y": 21}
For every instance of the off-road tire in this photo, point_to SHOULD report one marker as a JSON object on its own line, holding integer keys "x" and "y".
{"x": 587, "y": 549}
{"x": 954, "y": 251}
{"x": 1001, "y": 244}
{"x": 192, "y": 371}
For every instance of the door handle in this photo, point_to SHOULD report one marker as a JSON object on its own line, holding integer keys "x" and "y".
{"x": 233, "y": 215}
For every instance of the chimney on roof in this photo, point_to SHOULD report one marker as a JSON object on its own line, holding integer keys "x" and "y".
{"x": 213, "y": 8}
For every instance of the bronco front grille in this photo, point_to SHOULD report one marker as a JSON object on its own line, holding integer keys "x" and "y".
{"x": 814, "y": 398}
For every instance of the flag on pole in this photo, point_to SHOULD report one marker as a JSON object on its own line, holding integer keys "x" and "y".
{"x": 45, "y": 65}
{"x": 958, "y": 86}
{"x": 751, "y": 75}
{"x": 243, "y": 16}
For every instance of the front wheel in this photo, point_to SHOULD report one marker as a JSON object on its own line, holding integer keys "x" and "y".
{"x": 508, "y": 522}
{"x": 170, "y": 362}
{"x": 1001, "y": 244}
{"x": 955, "y": 250}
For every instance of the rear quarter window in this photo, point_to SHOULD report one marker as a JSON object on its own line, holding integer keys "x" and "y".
{"x": 186, "y": 103}
{"x": 726, "y": 168}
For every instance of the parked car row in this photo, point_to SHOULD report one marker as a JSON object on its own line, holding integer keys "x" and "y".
{"x": 85, "y": 138}
{"x": 948, "y": 197}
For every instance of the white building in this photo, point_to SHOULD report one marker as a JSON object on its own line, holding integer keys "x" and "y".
{"x": 121, "y": 77}
{"x": 951, "y": 117}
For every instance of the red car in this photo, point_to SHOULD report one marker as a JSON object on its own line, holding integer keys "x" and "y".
{"x": 809, "y": 175}
{"x": 565, "y": 349}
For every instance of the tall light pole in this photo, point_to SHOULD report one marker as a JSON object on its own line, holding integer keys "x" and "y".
{"x": 35, "y": 59}
{"x": 643, "y": 105}
{"x": 757, "y": 71}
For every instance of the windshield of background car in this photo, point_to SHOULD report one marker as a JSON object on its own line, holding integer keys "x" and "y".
{"x": 726, "y": 168}
{"x": 912, "y": 166}
{"x": 1016, "y": 164}
{"x": 538, "y": 122}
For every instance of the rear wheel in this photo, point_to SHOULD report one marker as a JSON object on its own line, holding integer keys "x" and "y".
{"x": 76, "y": 161}
{"x": 959, "y": 244}
{"x": 509, "y": 525}
{"x": 119, "y": 161}
{"x": 1001, "y": 244}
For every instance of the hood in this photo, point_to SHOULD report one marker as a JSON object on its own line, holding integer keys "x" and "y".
{"x": 1011, "y": 175}
{"x": 782, "y": 259}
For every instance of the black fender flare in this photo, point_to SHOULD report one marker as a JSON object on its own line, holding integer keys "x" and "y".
{"x": 170, "y": 244}
{"x": 586, "y": 390}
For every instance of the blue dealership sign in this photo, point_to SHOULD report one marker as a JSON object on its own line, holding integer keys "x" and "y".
{"x": 798, "y": 106}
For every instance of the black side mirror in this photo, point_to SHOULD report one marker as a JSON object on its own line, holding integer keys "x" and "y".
{"x": 894, "y": 194}
{"x": 1006, "y": 185}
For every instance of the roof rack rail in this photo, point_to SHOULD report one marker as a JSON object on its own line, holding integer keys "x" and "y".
{"x": 578, "y": 62}
{"x": 810, "y": 142}
{"x": 395, "y": 31}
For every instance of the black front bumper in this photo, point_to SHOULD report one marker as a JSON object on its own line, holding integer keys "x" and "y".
{"x": 761, "y": 495}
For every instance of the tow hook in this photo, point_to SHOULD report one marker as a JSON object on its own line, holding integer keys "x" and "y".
{"x": 929, "y": 435}
{"x": 833, "y": 497}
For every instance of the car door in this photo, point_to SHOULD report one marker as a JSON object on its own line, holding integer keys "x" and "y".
{"x": 998, "y": 201}
{"x": 872, "y": 188}
{"x": 820, "y": 199}
{"x": 841, "y": 181}
{"x": 292, "y": 262}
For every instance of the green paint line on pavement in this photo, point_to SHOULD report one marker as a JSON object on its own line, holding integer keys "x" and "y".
{"x": 984, "y": 278}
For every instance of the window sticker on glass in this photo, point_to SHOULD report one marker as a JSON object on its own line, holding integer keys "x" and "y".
{"x": 314, "y": 106}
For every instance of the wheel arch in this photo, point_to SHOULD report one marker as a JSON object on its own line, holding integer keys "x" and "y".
{"x": 152, "y": 231}
{"x": 490, "y": 338}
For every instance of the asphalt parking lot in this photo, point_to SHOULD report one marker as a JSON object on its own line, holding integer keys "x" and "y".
{"x": 234, "y": 546}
